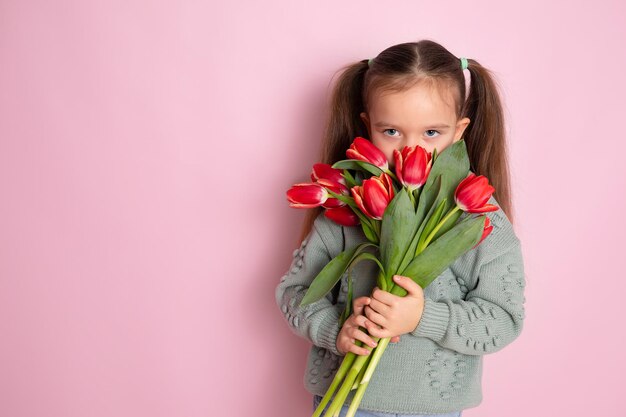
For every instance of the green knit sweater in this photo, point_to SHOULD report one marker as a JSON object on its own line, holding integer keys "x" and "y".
{"x": 475, "y": 307}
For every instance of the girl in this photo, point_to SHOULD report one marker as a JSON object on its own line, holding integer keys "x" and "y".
{"x": 413, "y": 94}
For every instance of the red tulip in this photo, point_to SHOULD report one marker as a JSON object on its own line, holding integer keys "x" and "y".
{"x": 343, "y": 216}
{"x": 364, "y": 150}
{"x": 473, "y": 193}
{"x": 412, "y": 166}
{"x": 488, "y": 228}
{"x": 307, "y": 195}
{"x": 374, "y": 195}
{"x": 336, "y": 188}
{"x": 325, "y": 171}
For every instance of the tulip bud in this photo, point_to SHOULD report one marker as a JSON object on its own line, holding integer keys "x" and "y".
{"x": 306, "y": 195}
{"x": 364, "y": 150}
{"x": 374, "y": 195}
{"x": 412, "y": 166}
{"x": 325, "y": 171}
{"x": 336, "y": 188}
{"x": 472, "y": 194}
{"x": 343, "y": 216}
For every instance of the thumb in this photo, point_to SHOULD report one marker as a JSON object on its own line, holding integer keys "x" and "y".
{"x": 411, "y": 287}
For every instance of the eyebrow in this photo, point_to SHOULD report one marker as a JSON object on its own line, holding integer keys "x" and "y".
{"x": 438, "y": 126}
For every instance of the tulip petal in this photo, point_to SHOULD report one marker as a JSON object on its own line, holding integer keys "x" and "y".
{"x": 485, "y": 209}
{"x": 306, "y": 195}
{"x": 325, "y": 171}
{"x": 358, "y": 199}
{"x": 472, "y": 194}
{"x": 376, "y": 197}
{"x": 364, "y": 150}
{"x": 412, "y": 166}
{"x": 343, "y": 216}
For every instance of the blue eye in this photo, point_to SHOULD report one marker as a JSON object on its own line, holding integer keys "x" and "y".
{"x": 389, "y": 129}
{"x": 431, "y": 130}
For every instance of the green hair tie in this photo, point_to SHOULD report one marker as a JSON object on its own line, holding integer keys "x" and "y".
{"x": 369, "y": 62}
{"x": 464, "y": 63}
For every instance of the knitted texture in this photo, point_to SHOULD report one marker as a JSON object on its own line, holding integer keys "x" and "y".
{"x": 475, "y": 307}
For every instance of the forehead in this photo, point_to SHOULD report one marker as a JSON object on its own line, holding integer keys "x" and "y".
{"x": 421, "y": 102}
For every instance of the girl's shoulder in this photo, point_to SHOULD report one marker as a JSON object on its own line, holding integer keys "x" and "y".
{"x": 331, "y": 234}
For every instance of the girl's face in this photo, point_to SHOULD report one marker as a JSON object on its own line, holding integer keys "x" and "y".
{"x": 418, "y": 115}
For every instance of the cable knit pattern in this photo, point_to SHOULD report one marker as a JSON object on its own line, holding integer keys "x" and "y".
{"x": 475, "y": 307}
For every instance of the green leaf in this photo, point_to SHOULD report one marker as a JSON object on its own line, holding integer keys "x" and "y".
{"x": 452, "y": 164}
{"x": 399, "y": 226}
{"x": 350, "y": 181}
{"x": 360, "y": 257}
{"x": 367, "y": 256}
{"x": 368, "y": 231}
{"x": 344, "y": 198}
{"x": 428, "y": 196}
{"x": 437, "y": 256}
{"x": 331, "y": 273}
{"x": 448, "y": 225}
{"x": 421, "y": 219}
{"x": 358, "y": 165}
{"x": 432, "y": 221}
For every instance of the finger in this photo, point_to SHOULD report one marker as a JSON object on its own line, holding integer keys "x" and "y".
{"x": 359, "y": 350}
{"x": 378, "y": 306}
{"x": 395, "y": 339}
{"x": 408, "y": 284}
{"x": 356, "y": 320}
{"x": 359, "y": 320}
{"x": 384, "y": 297}
{"x": 375, "y": 317}
{"x": 363, "y": 337}
{"x": 373, "y": 330}
{"x": 359, "y": 303}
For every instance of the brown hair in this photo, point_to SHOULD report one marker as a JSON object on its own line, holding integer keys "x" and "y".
{"x": 400, "y": 66}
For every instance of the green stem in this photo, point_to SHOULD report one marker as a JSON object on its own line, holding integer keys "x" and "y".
{"x": 378, "y": 353}
{"x": 416, "y": 194}
{"x": 346, "y": 386}
{"x": 339, "y": 376}
{"x": 392, "y": 175}
{"x": 356, "y": 400}
{"x": 432, "y": 234}
{"x": 357, "y": 381}
{"x": 412, "y": 198}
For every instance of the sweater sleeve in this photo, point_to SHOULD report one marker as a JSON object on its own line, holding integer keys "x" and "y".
{"x": 317, "y": 322}
{"x": 490, "y": 315}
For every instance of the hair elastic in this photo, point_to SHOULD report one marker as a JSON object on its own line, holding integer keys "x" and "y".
{"x": 466, "y": 75}
{"x": 369, "y": 62}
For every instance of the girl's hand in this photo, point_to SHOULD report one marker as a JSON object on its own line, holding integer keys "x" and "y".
{"x": 394, "y": 314}
{"x": 350, "y": 331}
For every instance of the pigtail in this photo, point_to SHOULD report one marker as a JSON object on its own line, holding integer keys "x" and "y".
{"x": 485, "y": 136}
{"x": 343, "y": 124}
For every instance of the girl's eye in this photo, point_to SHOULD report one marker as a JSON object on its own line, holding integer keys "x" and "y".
{"x": 389, "y": 129}
{"x": 431, "y": 130}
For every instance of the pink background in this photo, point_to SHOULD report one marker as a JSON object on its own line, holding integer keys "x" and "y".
{"x": 145, "y": 149}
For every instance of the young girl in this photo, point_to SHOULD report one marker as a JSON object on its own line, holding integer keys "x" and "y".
{"x": 413, "y": 94}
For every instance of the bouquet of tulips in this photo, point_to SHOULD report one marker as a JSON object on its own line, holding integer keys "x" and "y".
{"x": 413, "y": 218}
